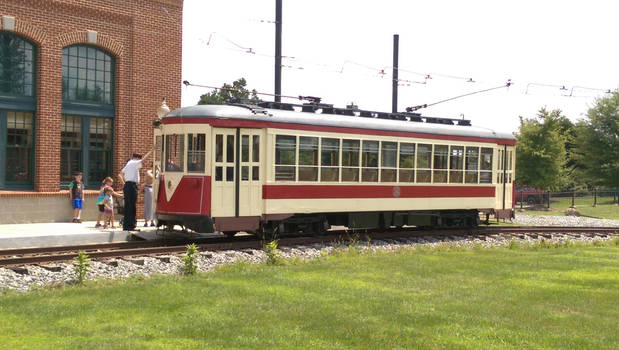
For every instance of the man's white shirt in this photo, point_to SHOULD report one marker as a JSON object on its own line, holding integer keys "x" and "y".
{"x": 131, "y": 171}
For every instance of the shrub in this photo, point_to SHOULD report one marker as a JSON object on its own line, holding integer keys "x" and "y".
{"x": 190, "y": 260}
{"x": 81, "y": 263}
{"x": 272, "y": 251}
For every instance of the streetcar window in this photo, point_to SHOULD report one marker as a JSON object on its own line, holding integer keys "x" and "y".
{"x": 500, "y": 167}
{"x": 255, "y": 157}
{"x": 285, "y": 157}
{"x": 230, "y": 148}
{"x": 329, "y": 159}
{"x": 196, "y": 153}
{"x": 485, "y": 175}
{"x": 369, "y": 161}
{"x": 174, "y": 155}
{"x": 407, "y": 162}
{"x": 219, "y": 148}
{"x": 245, "y": 148}
{"x": 255, "y": 173}
{"x": 510, "y": 159}
{"x": 308, "y": 158}
{"x": 350, "y": 160}
{"x": 229, "y": 173}
{"x": 440, "y": 163}
{"x": 456, "y": 164}
{"x": 158, "y": 148}
{"x": 219, "y": 171}
{"x": 424, "y": 163}
{"x": 245, "y": 173}
{"x": 471, "y": 165}
{"x": 388, "y": 161}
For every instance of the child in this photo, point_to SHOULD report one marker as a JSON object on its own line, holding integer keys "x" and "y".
{"x": 76, "y": 195}
{"x": 108, "y": 204}
{"x": 148, "y": 198}
{"x": 106, "y": 183}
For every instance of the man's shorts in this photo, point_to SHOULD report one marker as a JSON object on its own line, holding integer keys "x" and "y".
{"x": 77, "y": 203}
{"x": 101, "y": 208}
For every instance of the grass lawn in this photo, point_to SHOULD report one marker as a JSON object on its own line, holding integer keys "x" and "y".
{"x": 555, "y": 298}
{"x": 605, "y": 208}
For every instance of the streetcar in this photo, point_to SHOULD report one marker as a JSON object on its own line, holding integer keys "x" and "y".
{"x": 278, "y": 167}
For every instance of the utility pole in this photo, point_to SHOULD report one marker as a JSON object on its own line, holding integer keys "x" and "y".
{"x": 394, "y": 82}
{"x": 278, "y": 50}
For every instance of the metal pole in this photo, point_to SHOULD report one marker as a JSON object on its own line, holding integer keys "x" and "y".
{"x": 548, "y": 199}
{"x": 394, "y": 83}
{"x": 278, "y": 50}
{"x": 504, "y": 172}
{"x": 572, "y": 198}
{"x": 595, "y": 197}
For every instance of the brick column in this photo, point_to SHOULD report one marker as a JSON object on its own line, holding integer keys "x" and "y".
{"x": 48, "y": 118}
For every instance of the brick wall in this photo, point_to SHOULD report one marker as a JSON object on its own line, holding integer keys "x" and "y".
{"x": 144, "y": 36}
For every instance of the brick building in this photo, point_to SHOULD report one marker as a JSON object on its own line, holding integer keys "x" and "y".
{"x": 80, "y": 82}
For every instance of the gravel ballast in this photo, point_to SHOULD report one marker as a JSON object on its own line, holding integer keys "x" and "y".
{"x": 207, "y": 261}
{"x": 557, "y": 220}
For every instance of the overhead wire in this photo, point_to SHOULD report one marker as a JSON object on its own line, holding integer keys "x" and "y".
{"x": 299, "y": 97}
{"x": 426, "y": 105}
{"x": 382, "y": 72}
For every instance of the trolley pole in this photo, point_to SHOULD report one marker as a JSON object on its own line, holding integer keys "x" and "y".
{"x": 278, "y": 50}
{"x": 394, "y": 83}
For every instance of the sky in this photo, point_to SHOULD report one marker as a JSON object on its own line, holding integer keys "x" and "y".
{"x": 336, "y": 50}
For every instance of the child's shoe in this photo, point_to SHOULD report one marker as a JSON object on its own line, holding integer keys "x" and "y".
{"x": 97, "y": 225}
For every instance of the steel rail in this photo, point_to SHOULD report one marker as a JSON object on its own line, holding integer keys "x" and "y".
{"x": 28, "y": 256}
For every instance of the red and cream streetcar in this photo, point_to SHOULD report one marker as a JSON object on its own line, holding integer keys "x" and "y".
{"x": 277, "y": 166}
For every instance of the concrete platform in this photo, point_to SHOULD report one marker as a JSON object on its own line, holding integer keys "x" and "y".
{"x": 65, "y": 233}
{"x": 56, "y": 234}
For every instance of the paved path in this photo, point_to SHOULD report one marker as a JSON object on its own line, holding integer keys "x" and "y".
{"x": 51, "y": 234}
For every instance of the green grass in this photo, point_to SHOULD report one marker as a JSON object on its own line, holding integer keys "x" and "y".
{"x": 605, "y": 208}
{"x": 544, "y": 297}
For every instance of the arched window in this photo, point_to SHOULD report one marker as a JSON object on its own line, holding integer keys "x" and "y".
{"x": 87, "y": 113}
{"x": 17, "y": 107}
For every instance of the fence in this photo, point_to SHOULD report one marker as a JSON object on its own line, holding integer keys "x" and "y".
{"x": 566, "y": 199}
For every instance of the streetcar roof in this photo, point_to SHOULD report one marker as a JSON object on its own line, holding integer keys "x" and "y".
{"x": 255, "y": 113}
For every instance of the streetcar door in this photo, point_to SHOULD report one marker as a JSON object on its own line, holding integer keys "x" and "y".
{"x": 157, "y": 164}
{"x": 224, "y": 173}
{"x": 250, "y": 176}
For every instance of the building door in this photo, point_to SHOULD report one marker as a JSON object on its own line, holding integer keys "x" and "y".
{"x": 223, "y": 199}
{"x": 250, "y": 177}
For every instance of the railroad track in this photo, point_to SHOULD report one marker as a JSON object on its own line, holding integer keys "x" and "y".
{"x": 107, "y": 251}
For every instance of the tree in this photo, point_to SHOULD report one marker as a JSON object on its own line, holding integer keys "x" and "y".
{"x": 596, "y": 145}
{"x": 540, "y": 150}
{"x": 567, "y": 129}
{"x": 227, "y": 92}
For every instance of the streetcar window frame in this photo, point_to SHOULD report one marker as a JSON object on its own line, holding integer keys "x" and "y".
{"x": 285, "y": 166}
{"x": 345, "y": 160}
{"x": 196, "y": 152}
{"x": 179, "y": 144}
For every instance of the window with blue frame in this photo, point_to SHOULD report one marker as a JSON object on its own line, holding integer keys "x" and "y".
{"x": 88, "y": 112}
{"x": 16, "y": 66}
{"x": 17, "y": 106}
{"x": 87, "y": 75}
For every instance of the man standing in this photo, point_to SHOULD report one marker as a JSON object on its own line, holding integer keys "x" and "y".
{"x": 130, "y": 175}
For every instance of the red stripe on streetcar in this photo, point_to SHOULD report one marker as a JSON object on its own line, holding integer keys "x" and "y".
{"x": 240, "y": 123}
{"x": 357, "y": 191}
